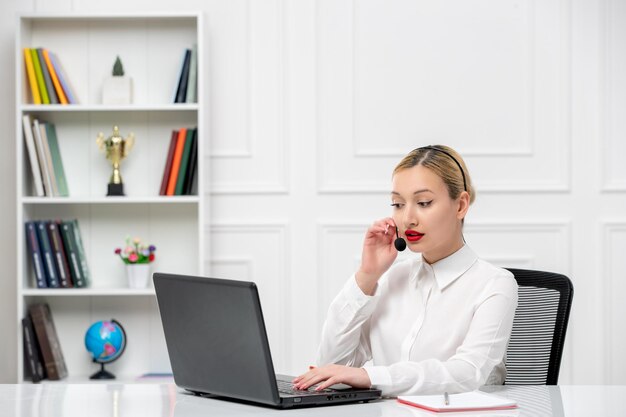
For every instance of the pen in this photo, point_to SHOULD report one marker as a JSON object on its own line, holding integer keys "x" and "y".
{"x": 446, "y": 398}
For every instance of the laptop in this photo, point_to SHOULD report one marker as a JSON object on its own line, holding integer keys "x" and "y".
{"x": 217, "y": 345}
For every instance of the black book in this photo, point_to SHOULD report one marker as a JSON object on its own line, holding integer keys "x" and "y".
{"x": 192, "y": 166}
{"x": 181, "y": 91}
{"x": 32, "y": 354}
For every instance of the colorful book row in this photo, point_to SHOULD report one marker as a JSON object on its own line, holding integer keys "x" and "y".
{"x": 44, "y": 156}
{"x": 42, "y": 349}
{"x": 187, "y": 87}
{"x": 47, "y": 79}
{"x": 57, "y": 254}
{"x": 181, "y": 164}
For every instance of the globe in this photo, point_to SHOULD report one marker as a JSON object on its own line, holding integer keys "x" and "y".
{"x": 105, "y": 341}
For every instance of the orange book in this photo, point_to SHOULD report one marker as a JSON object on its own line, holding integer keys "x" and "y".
{"x": 32, "y": 80}
{"x": 55, "y": 79}
{"x": 178, "y": 154}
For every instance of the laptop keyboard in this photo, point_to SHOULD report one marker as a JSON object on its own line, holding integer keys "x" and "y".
{"x": 285, "y": 387}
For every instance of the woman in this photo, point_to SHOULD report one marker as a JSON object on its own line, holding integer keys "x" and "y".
{"x": 437, "y": 323}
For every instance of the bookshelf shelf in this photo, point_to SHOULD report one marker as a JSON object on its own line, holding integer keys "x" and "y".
{"x": 181, "y": 199}
{"x": 51, "y": 108}
{"x": 92, "y": 292}
{"x": 151, "y": 47}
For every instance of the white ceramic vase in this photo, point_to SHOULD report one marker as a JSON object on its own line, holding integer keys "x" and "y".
{"x": 138, "y": 275}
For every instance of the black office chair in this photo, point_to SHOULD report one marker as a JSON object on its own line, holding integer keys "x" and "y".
{"x": 534, "y": 353}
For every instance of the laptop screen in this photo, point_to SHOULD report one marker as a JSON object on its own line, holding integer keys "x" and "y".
{"x": 216, "y": 337}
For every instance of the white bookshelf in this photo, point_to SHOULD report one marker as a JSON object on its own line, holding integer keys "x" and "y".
{"x": 151, "y": 47}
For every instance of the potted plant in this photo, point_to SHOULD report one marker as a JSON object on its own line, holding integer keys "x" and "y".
{"x": 118, "y": 88}
{"x": 137, "y": 258}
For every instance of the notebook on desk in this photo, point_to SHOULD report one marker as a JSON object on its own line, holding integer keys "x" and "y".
{"x": 217, "y": 344}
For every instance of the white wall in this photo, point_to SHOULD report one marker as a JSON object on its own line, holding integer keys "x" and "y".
{"x": 311, "y": 104}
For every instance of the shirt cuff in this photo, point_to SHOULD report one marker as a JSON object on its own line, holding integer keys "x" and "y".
{"x": 380, "y": 377}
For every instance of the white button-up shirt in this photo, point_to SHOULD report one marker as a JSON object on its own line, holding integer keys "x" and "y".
{"x": 428, "y": 328}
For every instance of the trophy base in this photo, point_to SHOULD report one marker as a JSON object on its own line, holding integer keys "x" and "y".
{"x": 115, "y": 190}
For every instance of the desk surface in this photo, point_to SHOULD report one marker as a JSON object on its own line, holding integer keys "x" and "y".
{"x": 167, "y": 400}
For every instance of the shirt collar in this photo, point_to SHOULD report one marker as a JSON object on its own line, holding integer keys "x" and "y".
{"x": 448, "y": 269}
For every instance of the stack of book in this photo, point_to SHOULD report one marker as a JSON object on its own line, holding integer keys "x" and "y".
{"x": 181, "y": 164}
{"x": 57, "y": 253}
{"x": 47, "y": 81}
{"x": 187, "y": 86}
{"x": 44, "y": 155}
{"x": 42, "y": 351}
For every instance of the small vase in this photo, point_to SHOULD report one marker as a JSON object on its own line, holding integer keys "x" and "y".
{"x": 138, "y": 275}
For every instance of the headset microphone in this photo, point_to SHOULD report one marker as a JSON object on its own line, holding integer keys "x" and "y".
{"x": 399, "y": 243}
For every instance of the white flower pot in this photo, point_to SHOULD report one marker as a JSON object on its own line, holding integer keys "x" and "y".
{"x": 138, "y": 275}
{"x": 117, "y": 90}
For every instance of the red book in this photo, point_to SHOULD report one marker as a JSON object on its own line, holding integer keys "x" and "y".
{"x": 168, "y": 163}
{"x": 178, "y": 154}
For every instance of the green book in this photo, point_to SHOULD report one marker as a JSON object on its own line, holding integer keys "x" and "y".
{"x": 184, "y": 162}
{"x": 81, "y": 253}
{"x": 57, "y": 163}
{"x": 71, "y": 251}
{"x": 193, "y": 76}
{"x": 39, "y": 75}
{"x": 47, "y": 79}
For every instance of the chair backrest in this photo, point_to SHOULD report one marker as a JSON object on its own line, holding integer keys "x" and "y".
{"x": 536, "y": 346}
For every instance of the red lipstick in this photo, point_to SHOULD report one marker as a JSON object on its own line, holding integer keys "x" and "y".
{"x": 413, "y": 235}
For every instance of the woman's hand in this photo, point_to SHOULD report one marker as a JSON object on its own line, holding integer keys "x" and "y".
{"x": 329, "y": 375}
{"x": 378, "y": 254}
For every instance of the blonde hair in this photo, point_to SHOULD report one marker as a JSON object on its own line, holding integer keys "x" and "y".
{"x": 440, "y": 159}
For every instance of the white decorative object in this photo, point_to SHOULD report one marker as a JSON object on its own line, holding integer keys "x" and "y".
{"x": 117, "y": 90}
{"x": 138, "y": 275}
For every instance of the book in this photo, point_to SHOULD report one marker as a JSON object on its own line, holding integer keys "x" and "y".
{"x": 32, "y": 155}
{"x": 32, "y": 78}
{"x": 55, "y": 80}
{"x": 184, "y": 162}
{"x": 81, "y": 253}
{"x": 32, "y": 242}
{"x": 178, "y": 154}
{"x": 48, "y": 340}
{"x": 52, "y": 95}
{"x": 168, "y": 163}
{"x": 467, "y": 401}
{"x": 39, "y": 75}
{"x": 193, "y": 164}
{"x": 181, "y": 91}
{"x": 63, "y": 79}
{"x": 71, "y": 252}
{"x": 65, "y": 279}
{"x": 45, "y": 174}
{"x": 32, "y": 354}
{"x": 192, "y": 82}
{"x": 52, "y": 275}
{"x": 46, "y": 151}
{"x": 57, "y": 162}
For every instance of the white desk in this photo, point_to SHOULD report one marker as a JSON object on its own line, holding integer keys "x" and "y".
{"x": 166, "y": 400}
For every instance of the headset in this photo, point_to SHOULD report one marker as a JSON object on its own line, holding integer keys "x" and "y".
{"x": 400, "y": 243}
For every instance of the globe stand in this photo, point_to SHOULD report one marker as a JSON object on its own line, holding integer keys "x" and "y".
{"x": 102, "y": 374}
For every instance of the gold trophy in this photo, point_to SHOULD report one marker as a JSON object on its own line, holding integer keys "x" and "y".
{"x": 116, "y": 148}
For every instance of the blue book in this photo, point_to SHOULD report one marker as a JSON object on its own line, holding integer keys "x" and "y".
{"x": 48, "y": 257}
{"x": 35, "y": 253}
